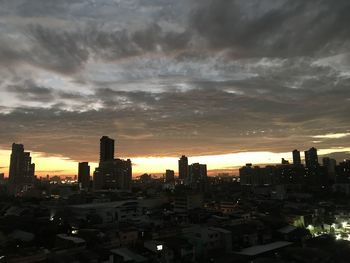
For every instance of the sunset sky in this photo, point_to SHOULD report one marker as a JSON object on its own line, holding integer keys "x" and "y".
{"x": 227, "y": 82}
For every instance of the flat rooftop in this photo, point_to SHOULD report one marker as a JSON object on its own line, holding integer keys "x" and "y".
{"x": 129, "y": 255}
{"x": 256, "y": 250}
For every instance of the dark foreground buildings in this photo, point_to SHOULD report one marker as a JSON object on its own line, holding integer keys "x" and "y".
{"x": 193, "y": 219}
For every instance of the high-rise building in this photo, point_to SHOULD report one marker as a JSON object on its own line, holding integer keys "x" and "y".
{"x": 183, "y": 168}
{"x": 169, "y": 177}
{"x": 112, "y": 173}
{"x": 97, "y": 179}
{"x": 84, "y": 175}
{"x": 311, "y": 158}
{"x": 22, "y": 169}
{"x": 29, "y": 168}
{"x": 106, "y": 149}
{"x": 296, "y": 157}
{"x": 197, "y": 172}
{"x": 123, "y": 173}
{"x": 198, "y": 176}
{"x": 16, "y": 172}
{"x": 330, "y": 165}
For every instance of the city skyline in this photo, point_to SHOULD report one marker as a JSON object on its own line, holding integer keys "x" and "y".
{"x": 172, "y": 163}
{"x": 222, "y": 81}
{"x": 174, "y": 131}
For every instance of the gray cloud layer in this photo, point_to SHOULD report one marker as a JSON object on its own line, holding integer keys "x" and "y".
{"x": 275, "y": 28}
{"x": 165, "y": 78}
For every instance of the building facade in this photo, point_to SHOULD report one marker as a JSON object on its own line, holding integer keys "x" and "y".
{"x": 84, "y": 175}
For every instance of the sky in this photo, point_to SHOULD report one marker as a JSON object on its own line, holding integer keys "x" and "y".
{"x": 225, "y": 82}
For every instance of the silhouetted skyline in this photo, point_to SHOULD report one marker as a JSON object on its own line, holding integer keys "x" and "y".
{"x": 114, "y": 167}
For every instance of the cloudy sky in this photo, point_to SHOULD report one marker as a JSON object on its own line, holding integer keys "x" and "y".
{"x": 235, "y": 80}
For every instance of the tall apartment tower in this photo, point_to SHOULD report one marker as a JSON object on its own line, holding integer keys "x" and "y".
{"x": 330, "y": 165}
{"x": 169, "y": 177}
{"x": 198, "y": 176}
{"x": 111, "y": 173}
{"x": 183, "y": 168}
{"x": 22, "y": 169}
{"x": 16, "y": 172}
{"x": 106, "y": 149}
{"x": 29, "y": 168}
{"x": 197, "y": 172}
{"x": 296, "y": 158}
{"x": 84, "y": 175}
{"x": 311, "y": 158}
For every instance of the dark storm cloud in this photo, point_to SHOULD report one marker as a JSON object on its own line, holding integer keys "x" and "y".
{"x": 63, "y": 35}
{"x": 70, "y": 95}
{"x": 175, "y": 122}
{"x": 29, "y": 91}
{"x": 44, "y": 7}
{"x": 269, "y": 28}
{"x": 248, "y": 28}
{"x": 67, "y": 51}
{"x": 59, "y": 51}
{"x": 8, "y": 54}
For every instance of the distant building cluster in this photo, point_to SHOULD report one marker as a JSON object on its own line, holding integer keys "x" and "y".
{"x": 194, "y": 175}
{"x": 312, "y": 173}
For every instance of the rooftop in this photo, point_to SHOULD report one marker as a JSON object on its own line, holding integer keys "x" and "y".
{"x": 128, "y": 255}
{"x": 256, "y": 250}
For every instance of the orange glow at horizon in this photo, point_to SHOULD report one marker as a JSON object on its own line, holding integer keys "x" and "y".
{"x": 61, "y": 166}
